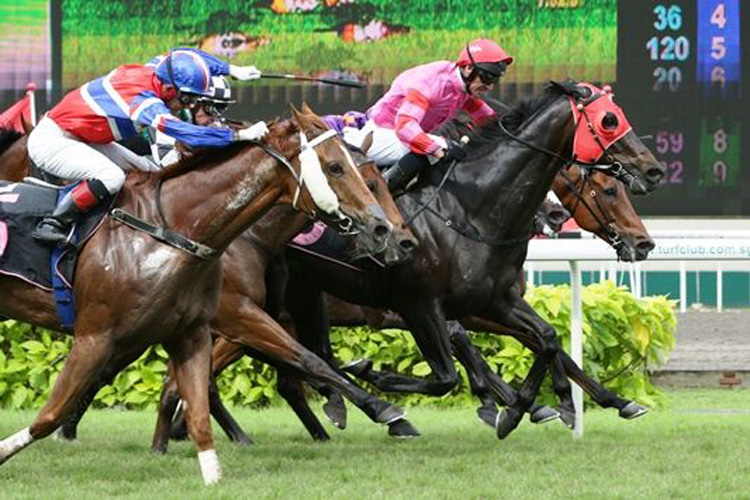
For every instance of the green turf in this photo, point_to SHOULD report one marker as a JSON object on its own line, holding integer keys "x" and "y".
{"x": 693, "y": 449}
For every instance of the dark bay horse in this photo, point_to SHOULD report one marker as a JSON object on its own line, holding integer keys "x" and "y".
{"x": 473, "y": 239}
{"x": 133, "y": 291}
{"x": 600, "y": 204}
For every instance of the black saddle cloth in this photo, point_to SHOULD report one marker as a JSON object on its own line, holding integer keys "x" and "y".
{"x": 22, "y": 206}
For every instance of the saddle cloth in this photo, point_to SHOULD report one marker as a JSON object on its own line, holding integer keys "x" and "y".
{"x": 323, "y": 242}
{"x": 22, "y": 206}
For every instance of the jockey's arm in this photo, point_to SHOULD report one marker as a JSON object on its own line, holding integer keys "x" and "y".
{"x": 479, "y": 110}
{"x": 408, "y": 128}
{"x": 150, "y": 111}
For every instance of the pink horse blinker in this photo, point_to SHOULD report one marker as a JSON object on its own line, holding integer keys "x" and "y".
{"x": 599, "y": 124}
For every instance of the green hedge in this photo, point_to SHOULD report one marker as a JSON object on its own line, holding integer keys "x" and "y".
{"x": 623, "y": 338}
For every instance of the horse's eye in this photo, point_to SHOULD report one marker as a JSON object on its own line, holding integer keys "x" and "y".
{"x": 611, "y": 191}
{"x": 372, "y": 186}
{"x": 609, "y": 122}
{"x": 335, "y": 169}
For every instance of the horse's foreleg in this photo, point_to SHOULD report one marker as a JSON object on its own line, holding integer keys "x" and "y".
{"x": 85, "y": 361}
{"x": 291, "y": 389}
{"x": 518, "y": 315}
{"x": 191, "y": 355}
{"x": 561, "y": 368}
{"x": 427, "y": 325}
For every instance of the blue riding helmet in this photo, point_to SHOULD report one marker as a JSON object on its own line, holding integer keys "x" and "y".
{"x": 187, "y": 71}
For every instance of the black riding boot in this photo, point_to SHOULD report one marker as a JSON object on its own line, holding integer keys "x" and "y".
{"x": 399, "y": 175}
{"x": 54, "y": 229}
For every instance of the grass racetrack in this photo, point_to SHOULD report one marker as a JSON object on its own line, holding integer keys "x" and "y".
{"x": 697, "y": 447}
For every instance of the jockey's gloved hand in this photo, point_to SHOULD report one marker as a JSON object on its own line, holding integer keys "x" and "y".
{"x": 253, "y": 133}
{"x": 455, "y": 152}
{"x": 244, "y": 73}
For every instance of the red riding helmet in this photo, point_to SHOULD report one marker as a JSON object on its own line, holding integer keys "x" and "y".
{"x": 486, "y": 56}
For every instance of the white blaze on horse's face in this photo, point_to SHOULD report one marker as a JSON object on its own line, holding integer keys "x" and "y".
{"x": 311, "y": 173}
{"x": 551, "y": 196}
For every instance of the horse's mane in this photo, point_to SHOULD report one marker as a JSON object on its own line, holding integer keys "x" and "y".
{"x": 7, "y": 137}
{"x": 279, "y": 129}
{"x": 489, "y": 134}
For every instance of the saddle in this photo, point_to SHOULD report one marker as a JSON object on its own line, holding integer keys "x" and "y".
{"x": 22, "y": 207}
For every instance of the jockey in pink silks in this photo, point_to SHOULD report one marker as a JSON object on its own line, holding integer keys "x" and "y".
{"x": 420, "y": 100}
{"x": 77, "y": 139}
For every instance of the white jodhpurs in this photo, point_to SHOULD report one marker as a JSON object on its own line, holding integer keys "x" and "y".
{"x": 64, "y": 155}
{"x": 386, "y": 147}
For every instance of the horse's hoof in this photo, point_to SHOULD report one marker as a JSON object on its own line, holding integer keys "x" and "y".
{"x": 335, "y": 410}
{"x": 60, "y": 435}
{"x": 358, "y": 367}
{"x": 242, "y": 439}
{"x": 543, "y": 414}
{"x": 632, "y": 410}
{"x": 390, "y": 414}
{"x": 507, "y": 420}
{"x": 159, "y": 448}
{"x": 568, "y": 417}
{"x": 320, "y": 437}
{"x": 402, "y": 429}
{"x": 488, "y": 415}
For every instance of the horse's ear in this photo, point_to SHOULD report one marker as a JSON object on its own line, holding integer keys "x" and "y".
{"x": 367, "y": 143}
{"x": 562, "y": 87}
{"x": 27, "y": 127}
{"x": 300, "y": 118}
{"x": 306, "y": 109}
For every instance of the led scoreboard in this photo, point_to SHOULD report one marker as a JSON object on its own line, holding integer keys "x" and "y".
{"x": 679, "y": 75}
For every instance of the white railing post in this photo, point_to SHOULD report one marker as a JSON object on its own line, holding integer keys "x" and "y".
{"x": 683, "y": 286}
{"x": 576, "y": 340}
{"x": 719, "y": 287}
{"x": 530, "y": 274}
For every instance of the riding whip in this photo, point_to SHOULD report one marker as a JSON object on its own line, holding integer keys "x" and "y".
{"x": 330, "y": 81}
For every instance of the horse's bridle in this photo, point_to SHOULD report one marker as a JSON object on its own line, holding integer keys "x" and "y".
{"x": 344, "y": 222}
{"x": 612, "y": 236}
{"x": 611, "y": 167}
{"x": 164, "y": 234}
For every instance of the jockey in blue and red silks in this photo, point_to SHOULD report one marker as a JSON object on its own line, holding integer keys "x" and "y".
{"x": 76, "y": 139}
{"x": 420, "y": 100}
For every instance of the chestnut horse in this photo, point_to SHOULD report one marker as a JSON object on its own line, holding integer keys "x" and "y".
{"x": 133, "y": 291}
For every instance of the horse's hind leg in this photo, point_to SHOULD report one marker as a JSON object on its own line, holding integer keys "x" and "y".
{"x": 168, "y": 402}
{"x": 85, "y": 361}
{"x": 252, "y": 327}
{"x": 191, "y": 354}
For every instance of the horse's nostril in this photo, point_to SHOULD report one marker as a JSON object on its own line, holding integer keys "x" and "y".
{"x": 559, "y": 217}
{"x": 381, "y": 230}
{"x": 655, "y": 174}
{"x": 407, "y": 244}
{"x": 645, "y": 246}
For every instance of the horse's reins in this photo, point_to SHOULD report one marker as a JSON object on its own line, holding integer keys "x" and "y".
{"x": 165, "y": 235}
{"x": 614, "y": 168}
